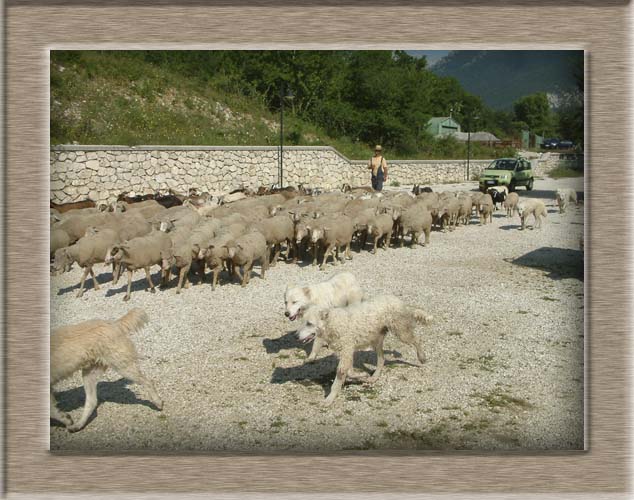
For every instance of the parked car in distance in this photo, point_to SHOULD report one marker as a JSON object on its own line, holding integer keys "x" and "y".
{"x": 550, "y": 143}
{"x": 511, "y": 172}
{"x": 565, "y": 145}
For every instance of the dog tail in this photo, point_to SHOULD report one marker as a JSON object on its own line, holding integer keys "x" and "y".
{"x": 133, "y": 321}
{"x": 422, "y": 317}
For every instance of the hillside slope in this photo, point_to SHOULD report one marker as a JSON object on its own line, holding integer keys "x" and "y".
{"x": 501, "y": 77}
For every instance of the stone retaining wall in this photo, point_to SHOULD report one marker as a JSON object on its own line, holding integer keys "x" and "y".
{"x": 102, "y": 172}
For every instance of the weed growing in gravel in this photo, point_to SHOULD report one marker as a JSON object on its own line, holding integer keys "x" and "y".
{"x": 522, "y": 312}
{"x": 450, "y": 408}
{"x": 497, "y": 399}
{"x": 549, "y": 299}
{"x": 455, "y": 334}
{"x": 480, "y": 424}
{"x": 278, "y": 422}
{"x": 436, "y": 437}
{"x": 382, "y": 423}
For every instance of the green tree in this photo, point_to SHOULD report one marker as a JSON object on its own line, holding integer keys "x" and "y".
{"x": 534, "y": 110}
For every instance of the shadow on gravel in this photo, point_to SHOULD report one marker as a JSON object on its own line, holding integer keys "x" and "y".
{"x": 510, "y": 227}
{"x": 115, "y": 392}
{"x": 561, "y": 263}
{"x": 287, "y": 341}
{"x": 322, "y": 371}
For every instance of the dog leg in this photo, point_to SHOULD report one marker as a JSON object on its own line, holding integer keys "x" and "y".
{"x": 89, "y": 376}
{"x": 317, "y": 344}
{"x": 95, "y": 283}
{"x": 380, "y": 361}
{"x": 59, "y": 415}
{"x": 345, "y": 364}
{"x": 133, "y": 373}
{"x": 83, "y": 280}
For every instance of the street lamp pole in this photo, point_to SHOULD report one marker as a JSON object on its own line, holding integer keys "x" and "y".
{"x": 281, "y": 162}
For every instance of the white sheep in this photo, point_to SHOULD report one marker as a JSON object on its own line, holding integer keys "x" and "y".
{"x": 140, "y": 253}
{"x": 87, "y": 251}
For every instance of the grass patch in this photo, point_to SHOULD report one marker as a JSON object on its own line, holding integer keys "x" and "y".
{"x": 497, "y": 400}
{"x": 549, "y": 299}
{"x": 562, "y": 172}
{"x": 436, "y": 437}
{"x": 455, "y": 334}
{"x": 278, "y": 422}
{"x": 382, "y": 423}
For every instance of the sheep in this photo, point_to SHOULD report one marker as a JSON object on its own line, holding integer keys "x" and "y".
{"x": 531, "y": 206}
{"x": 76, "y": 225}
{"x": 563, "y": 196}
{"x": 511, "y": 203}
{"x": 179, "y": 255}
{"x": 59, "y": 239}
{"x": 360, "y": 221}
{"x": 140, "y": 253}
{"x": 485, "y": 208}
{"x": 277, "y": 230}
{"x": 88, "y": 251}
{"x": 148, "y": 208}
{"x": 449, "y": 212}
{"x": 466, "y": 205}
{"x": 65, "y": 207}
{"x": 216, "y": 254}
{"x": 380, "y": 226}
{"x": 336, "y": 232}
{"x": 244, "y": 251}
{"x": 498, "y": 194}
{"x": 415, "y": 220}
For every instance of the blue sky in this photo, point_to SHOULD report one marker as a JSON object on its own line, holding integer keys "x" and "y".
{"x": 432, "y": 55}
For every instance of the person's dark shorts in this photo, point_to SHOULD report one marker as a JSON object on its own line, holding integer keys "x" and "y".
{"x": 377, "y": 182}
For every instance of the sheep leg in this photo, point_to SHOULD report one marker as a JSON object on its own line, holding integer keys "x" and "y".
{"x": 214, "y": 280}
{"x": 182, "y": 275}
{"x": 246, "y": 277}
{"x": 345, "y": 364}
{"x": 427, "y": 231}
{"x": 348, "y": 251}
{"x": 314, "y": 254}
{"x": 95, "y": 283}
{"x": 116, "y": 272}
{"x": 149, "y": 279}
{"x": 270, "y": 250}
{"x": 265, "y": 266}
{"x": 237, "y": 273}
{"x": 326, "y": 254}
{"x": 387, "y": 240}
{"x": 278, "y": 249}
{"x": 89, "y": 376}
{"x": 83, "y": 280}
{"x": 127, "y": 295}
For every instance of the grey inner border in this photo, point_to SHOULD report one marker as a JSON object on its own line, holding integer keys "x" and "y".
{"x": 31, "y": 469}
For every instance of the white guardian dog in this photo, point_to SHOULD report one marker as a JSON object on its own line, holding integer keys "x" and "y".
{"x": 340, "y": 290}
{"x": 359, "y": 326}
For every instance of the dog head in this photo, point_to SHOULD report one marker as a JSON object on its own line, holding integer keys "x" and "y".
{"x": 296, "y": 300}
{"x": 314, "y": 321}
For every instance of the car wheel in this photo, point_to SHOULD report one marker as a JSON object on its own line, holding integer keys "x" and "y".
{"x": 512, "y": 186}
{"x": 529, "y": 186}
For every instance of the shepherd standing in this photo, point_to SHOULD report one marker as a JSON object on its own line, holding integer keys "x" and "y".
{"x": 378, "y": 165}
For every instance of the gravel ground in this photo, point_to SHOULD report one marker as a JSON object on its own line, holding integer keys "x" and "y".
{"x": 504, "y": 363}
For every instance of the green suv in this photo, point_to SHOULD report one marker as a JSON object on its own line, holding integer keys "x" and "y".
{"x": 511, "y": 172}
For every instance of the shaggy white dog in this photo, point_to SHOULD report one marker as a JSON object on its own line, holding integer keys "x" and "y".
{"x": 92, "y": 347}
{"x": 348, "y": 329}
{"x": 340, "y": 290}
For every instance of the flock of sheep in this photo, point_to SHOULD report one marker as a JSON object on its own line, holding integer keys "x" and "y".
{"x": 202, "y": 233}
